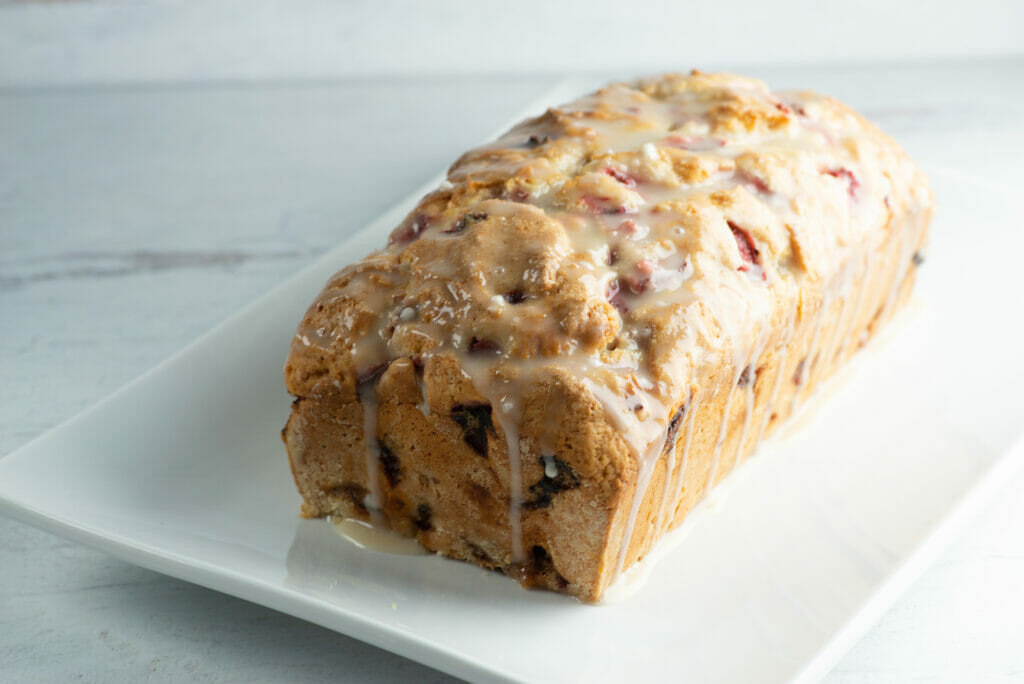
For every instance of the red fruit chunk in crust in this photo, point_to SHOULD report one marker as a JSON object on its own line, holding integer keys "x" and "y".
{"x": 601, "y": 205}
{"x": 477, "y": 346}
{"x": 673, "y": 427}
{"x": 515, "y": 297}
{"x": 620, "y": 176}
{"x": 693, "y": 143}
{"x": 615, "y": 296}
{"x": 647, "y": 266}
{"x": 748, "y": 250}
{"x": 465, "y": 221}
{"x": 638, "y": 284}
{"x": 411, "y": 230}
{"x": 628, "y": 226}
{"x": 475, "y": 421}
{"x": 853, "y": 184}
{"x": 750, "y": 179}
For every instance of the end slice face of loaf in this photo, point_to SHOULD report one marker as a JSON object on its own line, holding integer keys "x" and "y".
{"x": 596, "y": 318}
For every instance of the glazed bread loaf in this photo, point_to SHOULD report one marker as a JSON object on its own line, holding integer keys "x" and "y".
{"x": 596, "y": 318}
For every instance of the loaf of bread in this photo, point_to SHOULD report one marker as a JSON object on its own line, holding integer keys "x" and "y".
{"x": 596, "y": 318}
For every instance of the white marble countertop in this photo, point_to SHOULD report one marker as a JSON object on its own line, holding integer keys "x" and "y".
{"x": 134, "y": 218}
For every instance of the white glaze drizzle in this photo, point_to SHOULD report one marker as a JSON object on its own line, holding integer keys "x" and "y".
{"x": 681, "y": 478}
{"x": 424, "y": 406}
{"x": 856, "y": 315}
{"x": 639, "y": 417}
{"x": 783, "y": 354}
{"x": 723, "y": 426}
{"x": 749, "y": 396}
{"x": 908, "y": 239}
{"x": 825, "y": 352}
{"x": 377, "y": 538}
{"x": 897, "y": 281}
{"x": 670, "y": 472}
{"x": 503, "y": 395}
{"x": 648, "y": 461}
{"x": 550, "y": 466}
{"x": 847, "y": 274}
{"x": 510, "y": 426}
{"x": 374, "y": 499}
{"x": 641, "y": 423}
{"x": 803, "y": 374}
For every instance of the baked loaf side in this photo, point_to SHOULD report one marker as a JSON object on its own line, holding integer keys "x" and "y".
{"x": 596, "y": 318}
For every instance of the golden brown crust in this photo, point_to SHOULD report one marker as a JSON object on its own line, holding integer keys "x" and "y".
{"x": 596, "y": 317}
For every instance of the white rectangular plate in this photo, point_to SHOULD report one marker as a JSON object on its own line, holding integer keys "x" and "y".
{"x": 183, "y": 471}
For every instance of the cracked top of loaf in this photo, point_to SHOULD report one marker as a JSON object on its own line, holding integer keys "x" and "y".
{"x": 630, "y": 238}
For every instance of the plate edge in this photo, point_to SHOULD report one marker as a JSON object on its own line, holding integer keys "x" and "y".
{"x": 951, "y": 526}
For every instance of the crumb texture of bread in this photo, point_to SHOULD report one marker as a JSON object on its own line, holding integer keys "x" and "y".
{"x": 595, "y": 318}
